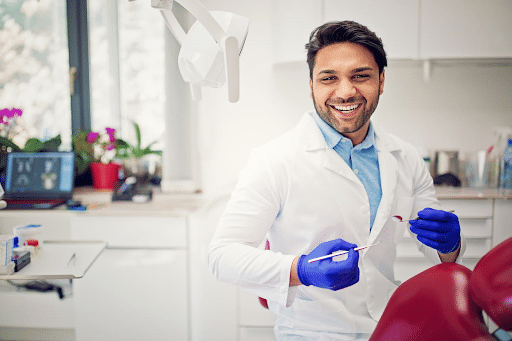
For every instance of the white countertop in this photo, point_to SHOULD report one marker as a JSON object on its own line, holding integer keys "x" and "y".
{"x": 100, "y": 202}
{"x": 445, "y": 192}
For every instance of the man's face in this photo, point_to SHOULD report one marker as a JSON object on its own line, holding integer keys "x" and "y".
{"x": 345, "y": 88}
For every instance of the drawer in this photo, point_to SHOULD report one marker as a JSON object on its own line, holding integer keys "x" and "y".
{"x": 469, "y": 208}
{"x": 475, "y": 248}
{"x": 18, "y": 310}
{"x": 471, "y": 228}
{"x": 131, "y": 232}
{"x": 476, "y": 227}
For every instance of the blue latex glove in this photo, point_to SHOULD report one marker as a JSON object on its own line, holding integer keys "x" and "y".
{"x": 438, "y": 229}
{"x": 327, "y": 273}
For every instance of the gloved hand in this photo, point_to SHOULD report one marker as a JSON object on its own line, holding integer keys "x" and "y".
{"x": 327, "y": 273}
{"x": 438, "y": 229}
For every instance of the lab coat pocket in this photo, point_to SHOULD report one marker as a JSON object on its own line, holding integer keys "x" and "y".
{"x": 324, "y": 314}
{"x": 403, "y": 207}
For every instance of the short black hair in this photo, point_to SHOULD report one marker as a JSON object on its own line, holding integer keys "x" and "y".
{"x": 344, "y": 32}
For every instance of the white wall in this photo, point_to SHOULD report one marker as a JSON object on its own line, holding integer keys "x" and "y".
{"x": 456, "y": 110}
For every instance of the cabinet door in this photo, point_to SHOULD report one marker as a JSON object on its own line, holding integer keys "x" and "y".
{"x": 466, "y": 29}
{"x": 502, "y": 221}
{"x": 475, "y": 218}
{"x": 394, "y": 21}
{"x": 133, "y": 294}
{"x": 292, "y": 24}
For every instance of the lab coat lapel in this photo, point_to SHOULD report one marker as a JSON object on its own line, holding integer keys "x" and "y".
{"x": 388, "y": 178}
{"x": 335, "y": 163}
{"x": 313, "y": 140}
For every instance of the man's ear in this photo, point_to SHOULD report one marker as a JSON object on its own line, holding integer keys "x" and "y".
{"x": 381, "y": 81}
{"x": 311, "y": 87}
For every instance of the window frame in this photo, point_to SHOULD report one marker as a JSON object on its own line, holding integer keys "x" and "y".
{"x": 78, "y": 45}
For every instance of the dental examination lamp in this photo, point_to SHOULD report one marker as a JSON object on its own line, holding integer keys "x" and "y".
{"x": 210, "y": 50}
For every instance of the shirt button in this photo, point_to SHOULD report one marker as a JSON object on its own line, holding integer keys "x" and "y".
{"x": 344, "y": 141}
{"x": 356, "y": 171}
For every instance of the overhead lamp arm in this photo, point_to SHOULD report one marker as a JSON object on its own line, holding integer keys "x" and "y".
{"x": 174, "y": 26}
{"x": 227, "y": 43}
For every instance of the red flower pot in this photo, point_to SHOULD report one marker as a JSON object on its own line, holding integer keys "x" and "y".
{"x": 104, "y": 175}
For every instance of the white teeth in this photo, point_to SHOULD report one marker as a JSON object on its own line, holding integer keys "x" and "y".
{"x": 346, "y": 108}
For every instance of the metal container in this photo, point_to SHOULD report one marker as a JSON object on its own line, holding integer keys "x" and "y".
{"x": 445, "y": 167}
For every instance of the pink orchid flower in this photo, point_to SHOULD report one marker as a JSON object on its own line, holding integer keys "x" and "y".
{"x": 6, "y": 114}
{"x": 110, "y": 133}
{"x": 92, "y": 137}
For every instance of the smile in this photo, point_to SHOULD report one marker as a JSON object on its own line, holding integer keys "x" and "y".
{"x": 346, "y": 109}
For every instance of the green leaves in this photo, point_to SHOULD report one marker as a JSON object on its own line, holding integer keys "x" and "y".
{"x": 32, "y": 145}
{"x": 126, "y": 150}
{"x": 6, "y": 143}
{"x": 83, "y": 151}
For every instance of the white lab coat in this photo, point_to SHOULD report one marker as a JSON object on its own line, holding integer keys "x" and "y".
{"x": 297, "y": 193}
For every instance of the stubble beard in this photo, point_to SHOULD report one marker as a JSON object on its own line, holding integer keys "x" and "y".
{"x": 360, "y": 122}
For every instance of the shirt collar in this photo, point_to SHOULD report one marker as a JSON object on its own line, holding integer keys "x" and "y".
{"x": 333, "y": 137}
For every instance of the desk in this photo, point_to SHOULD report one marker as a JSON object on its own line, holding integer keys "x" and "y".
{"x": 60, "y": 260}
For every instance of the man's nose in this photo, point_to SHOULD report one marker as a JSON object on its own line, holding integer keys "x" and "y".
{"x": 345, "y": 89}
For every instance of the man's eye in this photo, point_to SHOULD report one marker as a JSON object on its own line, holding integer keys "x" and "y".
{"x": 328, "y": 79}
{"x": 361, "y": 77}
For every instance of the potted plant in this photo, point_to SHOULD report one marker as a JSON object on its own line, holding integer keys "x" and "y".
{"x": 133, "y": 155}
{"x": 97, "y": 151}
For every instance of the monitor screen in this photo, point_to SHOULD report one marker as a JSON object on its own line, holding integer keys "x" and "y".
{"x": 49, "y": 174}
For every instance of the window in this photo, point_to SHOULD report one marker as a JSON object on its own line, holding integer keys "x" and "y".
{"x": 34, "y": 69}
{"x": 134, "y": 77}
{"x": 127, "y": 63}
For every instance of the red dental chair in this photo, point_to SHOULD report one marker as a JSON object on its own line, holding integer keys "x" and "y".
{"x": 445, "y": 302}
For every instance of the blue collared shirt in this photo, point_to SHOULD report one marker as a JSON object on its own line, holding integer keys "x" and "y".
{"x": 362, "y": 159}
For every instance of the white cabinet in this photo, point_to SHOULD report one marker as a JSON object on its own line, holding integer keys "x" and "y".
{"x": 291, "y": 24}
{"x": 476, "y": 217}
{"x": 138, "y": 287}
{"x": 255, "y": 322}
{"x": 502, "y": 220}
{"x": 23, "y": 313}
{"x": 409, "y": 29}
{"x": 466, "y": 29}
{"x": 133, "y": 294}
{"x": 396, "y": 22}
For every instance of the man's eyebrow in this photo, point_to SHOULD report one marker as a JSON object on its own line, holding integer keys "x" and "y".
{"x": 356, "y": 70}
{"x": 326, "y": 71}
{"x": 362, "y": 69}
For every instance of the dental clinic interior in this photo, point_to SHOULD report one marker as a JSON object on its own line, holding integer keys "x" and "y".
{"x": 176, "y": 103}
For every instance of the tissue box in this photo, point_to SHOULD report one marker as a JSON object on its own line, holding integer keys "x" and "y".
{"x": 6, "y": 246}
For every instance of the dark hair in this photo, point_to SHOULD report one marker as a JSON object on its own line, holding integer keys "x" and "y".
{"x": 344, "y": 31}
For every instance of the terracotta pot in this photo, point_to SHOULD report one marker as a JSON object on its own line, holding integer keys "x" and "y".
{"x": 104, "y": 175}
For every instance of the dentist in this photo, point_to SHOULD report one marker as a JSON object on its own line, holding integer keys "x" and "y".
{"x": 331, "y": 183}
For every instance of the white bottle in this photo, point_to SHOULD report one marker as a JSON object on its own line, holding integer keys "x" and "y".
{"x": 506, "y": 173}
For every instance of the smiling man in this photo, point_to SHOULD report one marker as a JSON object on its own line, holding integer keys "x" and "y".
{"x": 331, "y": 184}
{"x": 345, "y": 86}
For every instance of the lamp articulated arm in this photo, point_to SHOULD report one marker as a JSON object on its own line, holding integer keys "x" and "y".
{"x": 227, "y": 43}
